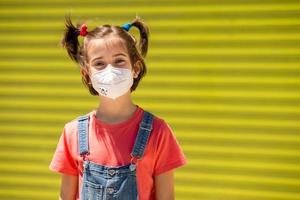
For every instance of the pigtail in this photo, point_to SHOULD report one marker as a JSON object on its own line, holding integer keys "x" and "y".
{"x": 70, "y": 39}
{"x": 144, "y": 35}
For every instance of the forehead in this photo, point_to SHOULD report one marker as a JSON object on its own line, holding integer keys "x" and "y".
{"x": 107, "y": 46}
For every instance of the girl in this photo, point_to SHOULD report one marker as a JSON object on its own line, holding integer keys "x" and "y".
{"x": 117, "y": 150}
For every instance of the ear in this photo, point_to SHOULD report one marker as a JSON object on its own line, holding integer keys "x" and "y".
{"x": 85, "y": 74}
{"x": 83, "y": 71}
{"x": 137, "y": 68}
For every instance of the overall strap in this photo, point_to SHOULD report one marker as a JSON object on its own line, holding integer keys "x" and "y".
{"x": 83, "y": 135}
{"x": 143, "y": 135}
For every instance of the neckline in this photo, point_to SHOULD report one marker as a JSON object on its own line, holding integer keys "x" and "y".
{"x": 135, "y": 116}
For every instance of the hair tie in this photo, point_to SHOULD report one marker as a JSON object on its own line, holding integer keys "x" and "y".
{"x": 127, "y": 26}
{"x": 83, "y": 30}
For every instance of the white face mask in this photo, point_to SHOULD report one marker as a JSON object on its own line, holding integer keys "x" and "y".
{"x": 112, "y": 82}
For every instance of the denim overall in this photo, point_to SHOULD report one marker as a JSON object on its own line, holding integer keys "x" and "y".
{"x": 106, "y": 182}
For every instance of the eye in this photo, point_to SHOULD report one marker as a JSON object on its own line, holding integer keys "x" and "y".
{"x": 120, "y": 61}
{"x": 98, "y": 63}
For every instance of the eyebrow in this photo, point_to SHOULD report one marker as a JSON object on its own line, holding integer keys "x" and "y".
{"x": 118, "y": 54}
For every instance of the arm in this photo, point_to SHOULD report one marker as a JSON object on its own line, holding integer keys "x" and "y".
{"x": 164, "y": 186}
{"x": 68, "y": 188}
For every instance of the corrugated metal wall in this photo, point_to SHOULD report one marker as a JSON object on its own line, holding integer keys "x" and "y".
{"x": 224, "y": 74}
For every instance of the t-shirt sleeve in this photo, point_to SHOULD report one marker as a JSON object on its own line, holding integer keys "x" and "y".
{"x": 62, "y": 160}
{"x": 168, "y": 153}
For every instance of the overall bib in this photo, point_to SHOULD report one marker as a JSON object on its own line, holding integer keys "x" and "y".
{"x": 105, "y": 182}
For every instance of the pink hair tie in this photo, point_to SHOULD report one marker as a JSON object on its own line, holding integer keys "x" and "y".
{"x": 83, "y": 30}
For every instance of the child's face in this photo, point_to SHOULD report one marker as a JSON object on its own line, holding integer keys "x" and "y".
{"x": 109, "y": 50}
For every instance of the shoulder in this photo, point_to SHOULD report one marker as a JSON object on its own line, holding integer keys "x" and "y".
{"x": 70, "y": 126}
{"x": 158, "y": 122}
{"x": 160, "y": 128}
{"x": 167, "y": 150}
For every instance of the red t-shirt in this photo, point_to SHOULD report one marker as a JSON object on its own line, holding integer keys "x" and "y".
{"x": 111, "y": 145}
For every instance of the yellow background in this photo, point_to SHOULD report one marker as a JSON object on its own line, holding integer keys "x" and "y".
{"x": 224, "y": 75}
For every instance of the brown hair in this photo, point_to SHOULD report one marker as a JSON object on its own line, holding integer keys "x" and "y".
{"x": 77, "y": 51}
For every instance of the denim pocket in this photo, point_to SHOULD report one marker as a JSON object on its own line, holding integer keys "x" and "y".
{"x": 127, "y": 189}
{"x": 93, "y": 191}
